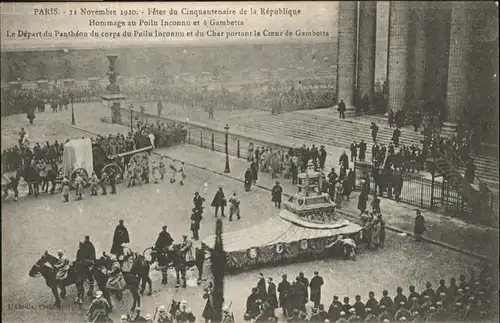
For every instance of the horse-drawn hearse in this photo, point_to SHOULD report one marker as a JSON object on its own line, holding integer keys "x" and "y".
{"x": 82, "y": 157}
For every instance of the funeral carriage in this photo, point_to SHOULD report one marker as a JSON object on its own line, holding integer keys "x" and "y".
{"x": 82, "y": 157}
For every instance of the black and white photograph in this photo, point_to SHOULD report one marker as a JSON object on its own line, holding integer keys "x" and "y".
{"x": 227, "y": 162}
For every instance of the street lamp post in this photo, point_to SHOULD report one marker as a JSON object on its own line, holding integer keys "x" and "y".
{"x": 72, "y": 110}
{"x": 227, "y": 169}
{"x": 131, "y": 118}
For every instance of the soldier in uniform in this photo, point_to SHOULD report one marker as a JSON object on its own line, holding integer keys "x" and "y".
{"x": 94, "y": 182}
{"x": 99, "y": 309}
{"x": 235, "y": 207}
{"x": 79, "y": 186}
{"x": 65, "y": 188}
{"x": 195, "y": 223}
{"x": 61, "y": 267}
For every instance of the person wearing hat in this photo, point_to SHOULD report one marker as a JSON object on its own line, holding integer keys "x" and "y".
{"x": 61, "y": 267}
{"x": 164, "y": 240}
{"x": 184, "y": 314}
{"x": 99, "y": 309}
{"x": 219, "y": 201}
{"x": 248, "y": 179}
{"x": 276, "y": 194}
{"x": 196, "y": 218}
{"x": 227, "y": 315}
{"x": 334, "y": 309}
{"x": 198, "y": 201}
{"x": 386, "y": 301}
{"x": 419, "y": 227}
{"x": 429, "y": 292}
{"x": 315, "y": 286}
{"x": 163, "y": 315}
{"x": 187, "y": 248}
{"x": 65, "y": 188}
{"x": 235, "y": 207}
{"x": 399, "y": 298}
{"x": 359, "y": 307}
{"x": 120, "y": 236}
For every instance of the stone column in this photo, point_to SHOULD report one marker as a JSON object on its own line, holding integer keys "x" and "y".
{"x": 419, "y": 48}
{"x": 457, "y": 94}
{"x": 366, "y": 48}
{"x": 398, "y": 54}
{"x": 346, "y": 57}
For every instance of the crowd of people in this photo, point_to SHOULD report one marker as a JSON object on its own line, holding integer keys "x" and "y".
{"x": 462, "y": 301}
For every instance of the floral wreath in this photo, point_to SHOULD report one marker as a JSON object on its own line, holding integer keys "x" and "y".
{"x": 279, "y": 248}
{"x": 303, "y": 244}
{"x": 300, "y": 201}
{"x": 253, "y": 253}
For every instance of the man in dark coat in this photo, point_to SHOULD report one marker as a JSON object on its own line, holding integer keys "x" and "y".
{"x": 261, "y": 286}
{"x": 252, "y": 308}
{"x": 300, "y": 294}
{"x": 470, "y": 171}
{"x": 374, "y": 129}
{"x": 398, "y": 182}
{"x": 390, "y": 118}
{"x": 120, "y": 236}
{"x": 209, "y": 310}
{"x": 272, "y": 299}
{"x": 386, "y": 301}
{"x": 254, "y": 167}
{"x": 419, "y": 227}
{"x": 248, "y": 179}
{"x": 87, "y": 250}
{"x": 372, "y": 303}
{"x": 322, "y": 157}
{"x": 195, "y": 223}
{"x": 304, "y": 281}
{"x": 359, "y": 307}
{"x": 362, "y": 199}
{"x": 315, "y": 286}
{"x": 198, "y": 202}
{"x": 164, "y": 239}
{"x": 344, "y": 161}
{"x": 395, "y": 136}
{"x": 335, "y": 309}
{"x": 276, "y": 194}
{"x": 283, "y": 290}
{"x": 362, "y": 151}
{"x": 341, "y": 108}
{"x": 354, "y": 151}
{"x": 219, "y": 201}
{"x": 257, "y": 157}
{"x": 399, "y": 298}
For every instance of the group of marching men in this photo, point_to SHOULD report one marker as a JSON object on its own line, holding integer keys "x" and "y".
{"x": 123, "y": 259}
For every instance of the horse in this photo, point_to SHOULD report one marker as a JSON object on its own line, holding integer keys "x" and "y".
{"x": 32, "y": 177}
{"x": 77, "y": 275}
{"x": 132, "y": 282}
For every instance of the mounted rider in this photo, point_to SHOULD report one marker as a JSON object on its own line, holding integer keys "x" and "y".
{"x": 164, "y": 240}
{"x": 187, "y": 248}
{"x": 99, "y": 309}
{"x": 126, "y": 257}
{"x": 62, "y": 266}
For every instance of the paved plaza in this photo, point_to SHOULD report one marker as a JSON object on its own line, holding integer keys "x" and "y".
{"x": 34, "y": 225}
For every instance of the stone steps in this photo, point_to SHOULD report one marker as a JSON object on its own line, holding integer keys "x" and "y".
{"x": 341, "y": 133}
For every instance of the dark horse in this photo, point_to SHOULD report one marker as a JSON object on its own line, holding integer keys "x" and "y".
{"x": 132, "y": 281}
{"x": 77, "y": 275}
{"x": 174, "y": 257}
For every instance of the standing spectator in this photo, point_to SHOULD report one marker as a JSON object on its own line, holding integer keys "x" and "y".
{"x": 395, "y": 136}
{"x": 398, "y": 183}
{"x": 381, "y": 237}
{"x": 419, "y": 227}
{"x": 344, "y": 161}
{"x": 315, "y": 285}
{"x": 362, "y": 199}
{"x": 235, "y": 207}
{"x": 354, "y": 151}
{"x": 248, "y": 179}
{"x": 195, "y": 223}
{"x": 322, "y": 157}
{"x": 470, "y": 171}
{"x": 284, "y": 290}
{"x": 209, "y": 310}
{"x": 219, "y": 201}
{"x": 250, "y": 152}
{"x": 271, "y": 294}
{"x": 159, "y": 108}
{"x": 374, "y": 129}
{"x": 362, "y": 150}
{"x": 390, "y": 118}
{"x": 254, "y": 166}
{"x": 341, "y": 108}
{"x": 339, "y": 188}
{"x": 261, "y": 286}
{"x": 276, "y": 195}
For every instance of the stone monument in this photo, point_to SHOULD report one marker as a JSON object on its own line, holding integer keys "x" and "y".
{"x": 113, "y": 97}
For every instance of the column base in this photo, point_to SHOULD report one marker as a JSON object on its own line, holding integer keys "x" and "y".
{"x": 448, "y": 129}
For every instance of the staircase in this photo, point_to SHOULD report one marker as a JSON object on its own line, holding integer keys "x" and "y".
{"x": 478, "y": 199}
{"x": 331, "y": 131}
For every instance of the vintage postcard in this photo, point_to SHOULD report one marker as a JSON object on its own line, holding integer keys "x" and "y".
{"x": 249, "y": 161}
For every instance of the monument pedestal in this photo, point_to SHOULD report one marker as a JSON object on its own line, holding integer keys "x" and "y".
{"x": 113, "y": 101}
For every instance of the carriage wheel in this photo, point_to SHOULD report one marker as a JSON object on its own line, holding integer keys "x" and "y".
{"x": 83, "y": 174}
{"x": 115, "y": 168}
